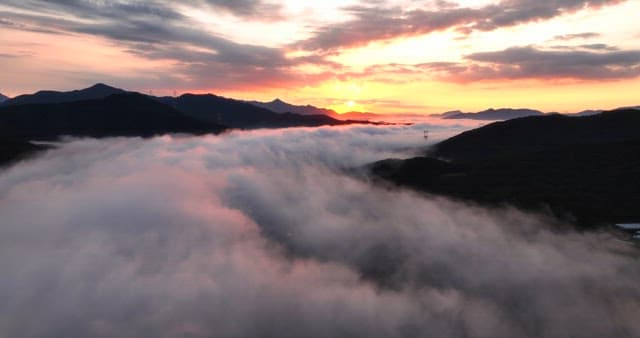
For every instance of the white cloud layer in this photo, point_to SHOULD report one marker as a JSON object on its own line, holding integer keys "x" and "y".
{"x": 264, "y": 234}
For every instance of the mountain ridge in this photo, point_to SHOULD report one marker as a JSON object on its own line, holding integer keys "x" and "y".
{"x": 279, "y": 106}
{"x": 539, "y": 131}
{"x": 97, "y": 91}
{"x": 582, "y": 170}
{"x": 241, "y": 114}
{"x": 126, "y": 114}
{"x": 492, "y": 114}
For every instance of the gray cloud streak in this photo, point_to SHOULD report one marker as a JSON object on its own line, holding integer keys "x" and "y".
{"x": 528, "y": 62}
{"x": 262, "y": 234}
{"x": 155, "y": 30}
{"x": 256, "y": 9}
{"x": 376, "y": 23}
{"x": 585, "y": 35}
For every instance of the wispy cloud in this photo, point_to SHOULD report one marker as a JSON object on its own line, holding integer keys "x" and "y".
{"x": 575, "y": 36}
{"x": 157, "y": 30}
{"x": 154, "y": 30}
{"x": 585, "y": 62}
{"x": 529, "y": 62}
{"x": 374, "y": 23}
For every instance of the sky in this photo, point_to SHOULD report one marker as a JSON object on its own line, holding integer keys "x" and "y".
{"x": 408, "y": 56}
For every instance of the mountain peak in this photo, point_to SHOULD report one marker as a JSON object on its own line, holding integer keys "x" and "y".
{"x": 103, "y": 88}
{"x": 277, "y": 100}
{"x": 101, "y": 85}
{"x": 97, "y": 91}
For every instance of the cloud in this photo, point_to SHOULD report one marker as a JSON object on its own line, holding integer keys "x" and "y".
{"x": 264, "y": 234}
{"x": 528, "y": 62}
{"x": 256, "y": 9}
{"x": 157, "y": 31}
{"x": 599, "y": 46}
{"x": 200, "y": 59}
{"x": 377, "y": 23}
{"x": 585, "y": 62}
{"x": 586, "y": 35}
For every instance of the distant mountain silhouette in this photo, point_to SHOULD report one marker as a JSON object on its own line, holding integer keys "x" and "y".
{"x": 3, "y": 98}
{"x": 128, "y": 114}
{"x": 240, "y": 114}
{"x": 280, "y": 106}
{"x": 97, "y": 91}
{"x": 588, "y": 112}
{"x": 581, "y": 169}
{"x": 493, "y": 114}
{"x": 449, "y": 113}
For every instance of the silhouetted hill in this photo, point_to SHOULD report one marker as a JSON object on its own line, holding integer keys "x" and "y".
{"x": 280, "y": 106}
{"x": 493, "y": 114}
{"x": 12, "y": 149}
{"x": 239, "y": 114}
{"x": 539, "y": 132}
{"x": 3, "y": 98}
{"x": 583, "y": 169}
{"x": 129, "y": 114}
{"x": 449, "y": 113}
{"x": 97, "y": 91}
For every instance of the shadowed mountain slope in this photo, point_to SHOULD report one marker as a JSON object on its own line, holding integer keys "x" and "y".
{"x": 239, "y": 114}
{"x": 540, "y": 132}
{"x": 583, "y": 169}
{"x": 128, "y": 114}
{"x": 97, "y": 91}
{"x": 14, "y": 149}
{"x": 280, "y": 106}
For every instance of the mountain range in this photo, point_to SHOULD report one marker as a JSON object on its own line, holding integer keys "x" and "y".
{"x": 492, "y": 114}
{"x": 239, "y": 114}
{"x": 280, "y": 106}
{"x": 103, "y": 111}
{"x": 125, "y": 114}
{"x": 583, "y": 170}
{"x": 3, "y": 98}
{"x": 538, "y": 132}
{"x": 97, "y": 91}
{"x": 207, "y": 108}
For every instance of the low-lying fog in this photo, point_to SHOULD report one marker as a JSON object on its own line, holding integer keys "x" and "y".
{"x": 265, "y": 234}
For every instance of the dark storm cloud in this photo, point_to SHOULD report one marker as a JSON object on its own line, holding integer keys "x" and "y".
{"x": 376, "y": 23}
{"x": 261, "y": 234}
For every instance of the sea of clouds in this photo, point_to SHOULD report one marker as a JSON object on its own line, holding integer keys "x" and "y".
{"x": 278, "y": 233}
